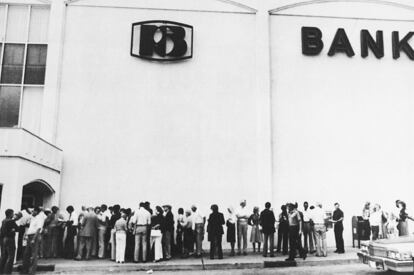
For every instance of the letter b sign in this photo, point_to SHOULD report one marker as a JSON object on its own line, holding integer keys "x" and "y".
{"x": 162, "y": 40}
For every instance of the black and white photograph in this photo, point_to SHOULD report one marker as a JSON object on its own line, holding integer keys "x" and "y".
{"x": 191, "y": 137}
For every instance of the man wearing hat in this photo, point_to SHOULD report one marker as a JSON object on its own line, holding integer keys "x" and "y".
{"x": 169, "y": 231}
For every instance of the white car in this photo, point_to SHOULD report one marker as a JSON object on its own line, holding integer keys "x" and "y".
{"x": 389, "y": 254}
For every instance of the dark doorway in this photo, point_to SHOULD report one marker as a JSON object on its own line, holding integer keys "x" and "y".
{"x": 37, "y": 193}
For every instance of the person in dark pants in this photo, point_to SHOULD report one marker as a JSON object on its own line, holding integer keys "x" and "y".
{"x": 267, "y": 221}
{"x": 337, "y": 218}
{"x": 283, "y": 232}
{"x": 215, "y": 231}
{"x": 8, "y": 247}
{"x": 295, "y": 229}
{"x": 167, "y": 237}
{"x": 71, "y": 231}
{"x": 180, "y": 232}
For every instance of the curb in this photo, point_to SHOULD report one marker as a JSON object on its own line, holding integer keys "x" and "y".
{"x": 200, "y": 266}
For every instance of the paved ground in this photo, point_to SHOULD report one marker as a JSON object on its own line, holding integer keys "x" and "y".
{"x": 359, "y": 269}
{"x": 251, "y": 264}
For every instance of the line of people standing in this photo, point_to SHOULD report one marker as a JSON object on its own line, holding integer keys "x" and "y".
{"x": 144, "y": 234}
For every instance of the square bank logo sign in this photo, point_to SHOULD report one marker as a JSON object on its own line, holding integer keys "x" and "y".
{"x": 162, "y": 40}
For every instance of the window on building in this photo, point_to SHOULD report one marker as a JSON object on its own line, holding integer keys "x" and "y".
{"x": 23, "y": 54}
{"x": 12, "y": 68}
{"x": 9, "y": 106}
{"x": 1, "y": 193}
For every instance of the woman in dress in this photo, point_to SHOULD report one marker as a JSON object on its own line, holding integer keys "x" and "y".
{"x": 231, "y": 229}
{"x": 120, "y": 237}
{"x": 402, "y": 219}
{"x": 157, "y": 229}
{"x": 256, "y": 234}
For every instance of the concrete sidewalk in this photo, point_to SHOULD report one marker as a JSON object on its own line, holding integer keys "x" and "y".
{"x": 237, "y": 262}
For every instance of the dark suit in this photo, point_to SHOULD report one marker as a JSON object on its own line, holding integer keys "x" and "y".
{"x": 215, "y": 233}
{"x": 88, "y": 230}
{"x": 267, "y": 221}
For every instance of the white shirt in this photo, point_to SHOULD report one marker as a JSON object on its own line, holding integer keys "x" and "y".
{"x": 72, "y": 218}
{"x": 197, "y": 217}
{"x": 25, "y": 219}
{"x": 242, "y": 213}
{"x": 307, "y": 215}
{"x": 36, "y": 223}
{"x": 375, "y": 219}
{"x": 141, "y": 217}
{"x": 318, "y": 215}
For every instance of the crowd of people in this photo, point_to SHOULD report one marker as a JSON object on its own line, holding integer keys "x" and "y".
{"x": 380, "y": 224}
{"x": 147, "y": 234}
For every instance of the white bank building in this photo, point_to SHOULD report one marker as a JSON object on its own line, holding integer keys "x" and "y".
{"x": 207, "y": 101}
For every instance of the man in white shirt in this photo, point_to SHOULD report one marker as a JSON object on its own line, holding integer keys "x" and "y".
{"x": 33, "y": 235}
{"x": 140, "y": 223}
{"x": 199, "y": 221}
{"x": 308, "y": 237}
{"x": 319, "y": 218}
{"x": 103, "y": 220}
{"x": 242, "y": 215}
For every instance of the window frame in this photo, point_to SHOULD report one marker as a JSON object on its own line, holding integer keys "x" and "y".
{"x": 26, "y": 42}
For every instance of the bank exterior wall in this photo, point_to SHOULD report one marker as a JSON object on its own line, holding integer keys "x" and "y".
{"x": 179, "y": 133}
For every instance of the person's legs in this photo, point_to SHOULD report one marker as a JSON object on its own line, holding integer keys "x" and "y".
{"x": 341, "y": 240}
{"x": 279, "y": 240}
{"x": 54, "y": 242}
{"x": 81, "y": 246}
{"x": 306, "y": 226}
{"x": 144, "y": 239}
{"x": 9, "y": 255}
{"x": 212, "y": 247}
{"x": 265, "y": 240}
{"x": 158, "y": 249}
{"x": 239, "y": 238}
{"x": 120, "y": 248}
{"x": 199, "y": 239}
{"x": 35, "y": 252}
{"x": 244, "y": 232}
{"x": 26, "y": 257}
{"x": 232, "y": 244}
{"x": 318, "y": 242}
{"x": 167, "y": 244}
{"x": 324, "y": 248}
{"x": 293, "y": 235}
{"x": 113, "y": 244}
{"x": 336, "y": 231}
{"x": 137, "y": 245}
{"x": 88, "y": 244}
{"x": 285, "y": 241}
{"x": 374, "y": 230}
{"x": 272, "y": 244}
{"x": 311, "y": 236}
{"x": 101, "y": 242}
{"x": 219, "y": 247}
{"x": 94, "y": 245}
